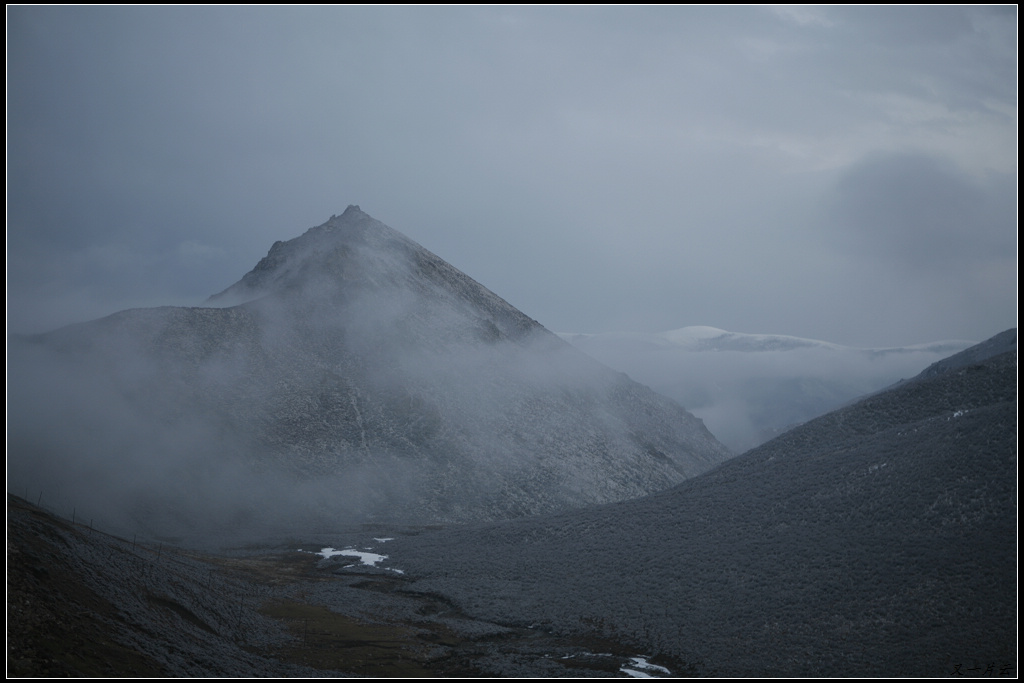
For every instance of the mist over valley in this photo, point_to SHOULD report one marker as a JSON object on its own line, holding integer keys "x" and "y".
{"x": 749, "y": 388}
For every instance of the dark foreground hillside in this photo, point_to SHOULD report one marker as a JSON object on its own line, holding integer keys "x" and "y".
{"x": 81, "y": 602}
{"x": 877, "y": 540}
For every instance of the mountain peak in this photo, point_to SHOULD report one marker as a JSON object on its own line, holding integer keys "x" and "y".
{"x": 352, "y": 246}
{"x": 355, "y": 257}
{"x": 352, "y": 215}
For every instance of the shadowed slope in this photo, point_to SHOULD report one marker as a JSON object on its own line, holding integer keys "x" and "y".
{"x": 876, "y": 540}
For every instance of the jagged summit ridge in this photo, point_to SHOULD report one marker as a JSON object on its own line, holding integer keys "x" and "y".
{"x": 289, "y": 260}
{"x": 354, "y": 252}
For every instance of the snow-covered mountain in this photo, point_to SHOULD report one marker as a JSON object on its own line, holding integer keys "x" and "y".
{"x": 750, "y": 387}
{"x": 351, "y": 375}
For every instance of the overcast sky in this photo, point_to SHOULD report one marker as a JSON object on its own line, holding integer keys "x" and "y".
{"x": 846, "y": 173}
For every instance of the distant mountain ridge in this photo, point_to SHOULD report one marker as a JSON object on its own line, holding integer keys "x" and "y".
{"x": 352, "y": 374}
{"x": 704, "y": 338}
{"x": 749, "y": 388}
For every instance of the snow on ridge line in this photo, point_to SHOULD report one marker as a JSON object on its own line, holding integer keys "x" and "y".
{"x": 698, "y": 333}
{"x": 696, "y": 338}
{"x": 695, "y": 332}
{"x": 690, "y": 338}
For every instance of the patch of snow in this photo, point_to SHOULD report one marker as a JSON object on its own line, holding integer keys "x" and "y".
{"x": 366, "y": 558}
{"x": 642, "y": 663}
{"x": 634, "y": 673}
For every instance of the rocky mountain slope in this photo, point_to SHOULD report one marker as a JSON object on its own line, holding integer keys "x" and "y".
{"x": 1004, "y": 342}
{"x": 876, "y": 540}
{"x": 749, "y": 388}
{"x": 352, "y": 374}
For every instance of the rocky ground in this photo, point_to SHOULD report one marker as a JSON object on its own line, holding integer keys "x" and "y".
{"x": 84, "y": 603}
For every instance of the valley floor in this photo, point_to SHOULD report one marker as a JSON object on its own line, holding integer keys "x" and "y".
{"x": 84, "y": 603}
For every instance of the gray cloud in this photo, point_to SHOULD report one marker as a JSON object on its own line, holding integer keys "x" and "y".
{"x": 923, "y": 213}
{"x": 601, "y": 168}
